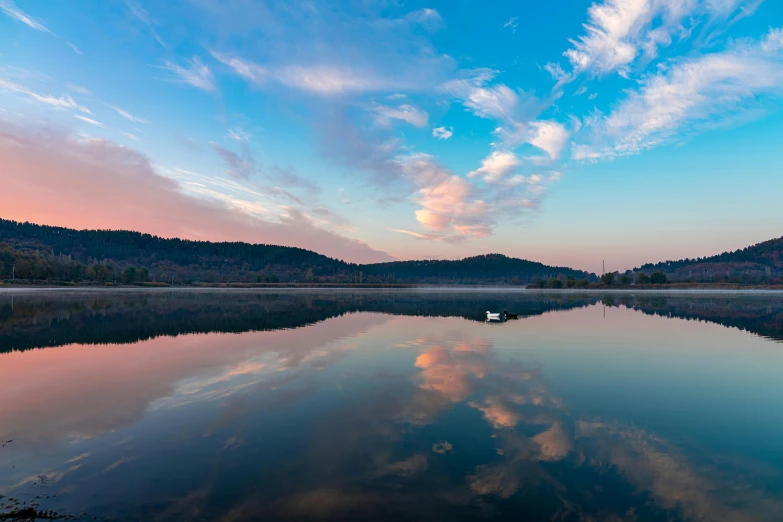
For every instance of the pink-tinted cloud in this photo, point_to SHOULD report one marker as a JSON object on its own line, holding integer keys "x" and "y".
{"x": 449, "y": 208}
{"x": 52, "y": 177}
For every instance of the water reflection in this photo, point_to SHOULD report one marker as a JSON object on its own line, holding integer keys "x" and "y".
{"x": 400, "y": 410}
{"x": 53, "y": 319}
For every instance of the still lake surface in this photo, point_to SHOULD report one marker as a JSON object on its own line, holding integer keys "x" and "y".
{"x": 392, "y": 405}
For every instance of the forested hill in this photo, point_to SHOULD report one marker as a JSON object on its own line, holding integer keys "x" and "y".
{"x": 46, "y": 253}
{"x": 760, "y": 263}
{"x": 490, "y": 268}
{"x": 163, "y": 258}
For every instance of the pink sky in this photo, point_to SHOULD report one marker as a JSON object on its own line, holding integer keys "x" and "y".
{"x": 58, "y": 179}
{"x": 53, "y": 177}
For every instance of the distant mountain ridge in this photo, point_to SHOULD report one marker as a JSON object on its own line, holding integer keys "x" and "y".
{"x": 759, "y": 263}
{"x": 43, "y": 252}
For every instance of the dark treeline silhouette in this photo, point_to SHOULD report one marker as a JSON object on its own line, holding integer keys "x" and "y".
{"x": 30, "y": 252}
{"x": 55, "y": 319}
{"x": 41, "y": 320}
{"x": 757, "y": 264}
{"x": 760, "y": 315}
{"x": 485, "y": 269}
{"x": 55, "y": 253}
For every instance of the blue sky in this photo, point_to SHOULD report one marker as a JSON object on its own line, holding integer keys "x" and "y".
{"x": 566, "y": 131}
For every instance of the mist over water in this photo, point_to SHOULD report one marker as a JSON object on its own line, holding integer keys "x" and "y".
{"x": 403, "y": 405}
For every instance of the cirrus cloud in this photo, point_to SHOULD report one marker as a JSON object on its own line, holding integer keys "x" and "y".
{"x": 63, "y": 102}
{"x": 407, "y": 113}
{"x": 8, "y": 7}
{"x": 687, "y": 96}
{"x": 194, "y": 73}
{"x": 619, "y": 31}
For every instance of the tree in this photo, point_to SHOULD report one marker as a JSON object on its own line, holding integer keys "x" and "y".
{"x": 571, "y": 281}
{"x": 658, "y": 278}
{"x": 144, "y": 274}
{"x": 625, "y": 279}
{"x": 77, "y": 271}
{"x": 608, "y": 278}
{"x": 643, "y": 279}
{"x": 555, "y": 283}
{"x": 98, "y": 272}
{"x": 583, "y": 283}
{"x": 129, "y": 275}
{"x": 541, "y": 283}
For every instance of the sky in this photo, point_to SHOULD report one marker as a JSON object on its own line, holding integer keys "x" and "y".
{"x": 568, "y": 132}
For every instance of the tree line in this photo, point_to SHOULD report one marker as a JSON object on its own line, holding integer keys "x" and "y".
{"x": 607, "y": 279}
{"x": 44, "y": 253}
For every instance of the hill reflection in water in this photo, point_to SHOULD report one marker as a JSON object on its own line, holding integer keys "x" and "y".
{"x": 53, "y": 319}
{"x": 337, "y": 406}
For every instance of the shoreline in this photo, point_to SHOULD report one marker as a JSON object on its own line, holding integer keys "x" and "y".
{"x": 30, "y": 289}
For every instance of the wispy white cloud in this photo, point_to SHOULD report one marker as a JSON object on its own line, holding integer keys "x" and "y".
{"x": 194, "y": 73}
{"x": 443, "y": 133}
{"x": 325, "y": 79}
{"x": 78, "y": 89}
{"x": 238, "y": 135}
{"x": 131, "y": 136}
{"x": 689, "y": 95}
{"x": 75, "y": 49}
{"x": 90, "y": 121}
{"x": 617, "y": 32}
{"x": 128, "y": 116}
{"x": 496, "y": 167}
{"x": 407, "y": 113}
{"x": 144, "y": 17}
{"x": 346, "y": 51}
{"x": 427, "y": 17}
{"x": 514, "y": 110}
{"x": 245, "y": 68}
{"x": 8, "y": 7}
{"x": 511, "y": 24}
{"x": 773, "y": 42}
{"x": 556, "y": 70}
{"x": 63, "y": 102}
{"x": 318, "y": 79}
{"x": 494, "y": 102}
{"x": 549, "y": 136}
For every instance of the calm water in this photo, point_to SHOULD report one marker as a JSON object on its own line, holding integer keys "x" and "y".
{"x": 392, "y": 406}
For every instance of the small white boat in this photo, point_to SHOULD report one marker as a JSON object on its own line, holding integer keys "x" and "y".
{"x": 493, "y": 317}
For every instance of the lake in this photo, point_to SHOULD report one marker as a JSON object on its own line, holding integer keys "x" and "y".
{"x": 391, "y": 405}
